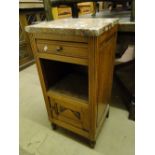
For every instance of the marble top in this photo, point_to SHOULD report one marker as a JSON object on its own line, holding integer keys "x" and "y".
{"x": 74, "y": 26}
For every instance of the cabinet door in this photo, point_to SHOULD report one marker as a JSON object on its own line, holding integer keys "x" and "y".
{"x": 70, "y": 112}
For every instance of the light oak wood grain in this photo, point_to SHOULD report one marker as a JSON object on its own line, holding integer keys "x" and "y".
{"x": 77, "y": 104}
{"x": 63, "y": 48}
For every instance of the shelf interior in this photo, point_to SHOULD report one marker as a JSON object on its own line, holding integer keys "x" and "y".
{"x": 73, "y": 85}
{"x": 65, "y": 79}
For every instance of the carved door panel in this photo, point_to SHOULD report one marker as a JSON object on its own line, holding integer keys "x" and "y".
{"x": 69, "y": 113}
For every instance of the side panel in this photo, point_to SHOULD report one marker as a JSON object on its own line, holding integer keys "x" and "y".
{"x": 92, "y": 74}
{"x": 105, "y": 74}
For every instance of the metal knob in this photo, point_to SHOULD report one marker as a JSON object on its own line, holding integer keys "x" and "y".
{"x": 45, "y": 48}
{"x": 59, "y": 48}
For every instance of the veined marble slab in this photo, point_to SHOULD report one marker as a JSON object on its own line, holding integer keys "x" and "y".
{"x": 72, "y": 26}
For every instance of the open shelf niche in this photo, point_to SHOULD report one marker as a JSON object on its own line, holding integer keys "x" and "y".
{"x": 65, "y": 79}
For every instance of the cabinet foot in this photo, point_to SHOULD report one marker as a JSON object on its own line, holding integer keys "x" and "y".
{"x": 54, "y": 126}
{"x": 92, "y": 144}
{"x": 107, "y": 116}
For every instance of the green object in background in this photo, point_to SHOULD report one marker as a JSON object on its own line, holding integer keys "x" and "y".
{"x": 47, "y": 7}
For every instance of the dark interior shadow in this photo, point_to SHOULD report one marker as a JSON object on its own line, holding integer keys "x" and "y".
{"x": 116, "y": 99}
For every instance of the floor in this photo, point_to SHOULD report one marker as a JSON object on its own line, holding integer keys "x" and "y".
{"x": 117, "y": 136}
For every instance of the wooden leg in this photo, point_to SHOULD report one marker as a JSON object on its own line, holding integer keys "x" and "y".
{"x": 132, "y": 11}
{"x": 92, "y": 143}
{"x": 54, "y": 126}
{"x": 132, "y": 111}
{"x": 75, "y": 10}
{"x": 107, "y": 114}
{"x": 94, "y": 12}
{"x": 110, "y": 7}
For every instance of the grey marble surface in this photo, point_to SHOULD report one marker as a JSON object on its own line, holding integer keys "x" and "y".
{"x": 72, "y": 26}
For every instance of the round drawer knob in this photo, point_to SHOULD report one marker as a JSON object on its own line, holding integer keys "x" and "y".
{"x": 45, "y": 48}
{"x": 59, "y": 48}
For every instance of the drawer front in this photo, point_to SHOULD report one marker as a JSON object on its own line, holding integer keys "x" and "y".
{"x": 63, "y": 48}
{"x": 70, "y": 114}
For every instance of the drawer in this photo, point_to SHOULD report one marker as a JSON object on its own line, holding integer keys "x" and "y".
{"x": 70, "y": 113}
{"x": 71, "y": 49}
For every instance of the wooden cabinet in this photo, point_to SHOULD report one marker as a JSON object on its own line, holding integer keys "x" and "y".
{"x": 30, "y": 11}
{"x": 76, "y": 77}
